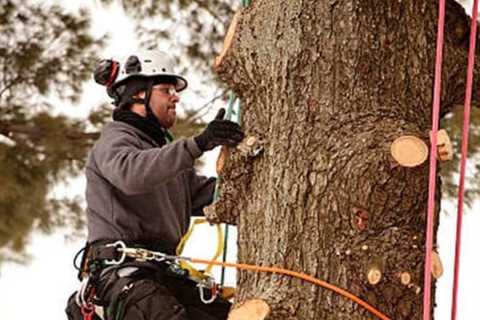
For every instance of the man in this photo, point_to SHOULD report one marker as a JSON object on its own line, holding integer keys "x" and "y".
{"x": 142, "y": 188}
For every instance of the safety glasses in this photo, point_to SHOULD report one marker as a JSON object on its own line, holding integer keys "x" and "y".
{"x": 169, "y": 91}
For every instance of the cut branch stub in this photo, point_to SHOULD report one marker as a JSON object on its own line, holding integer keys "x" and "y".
{"x": 250, "y": 310}
{"x": 227, "y": 42}
{"x": 405, "y": 278}
{"x": 409, "y": 151}
{"x": 444, "y": 145}
{"x": 250, "y": 147}
{"x": 374, "y": 275}
{"x": 437, "y": 266}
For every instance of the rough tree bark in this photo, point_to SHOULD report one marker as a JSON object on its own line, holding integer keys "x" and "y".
{"x": 327, "y": 86}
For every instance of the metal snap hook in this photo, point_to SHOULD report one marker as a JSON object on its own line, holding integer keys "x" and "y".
{"x": 213, "y": 292}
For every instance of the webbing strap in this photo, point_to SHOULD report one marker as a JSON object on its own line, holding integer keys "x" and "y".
{"x": 433, "y": 161}
{"x": 463, "y": 160}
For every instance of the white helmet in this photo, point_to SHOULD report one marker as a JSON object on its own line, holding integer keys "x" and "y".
{"x": 148, "y": 64}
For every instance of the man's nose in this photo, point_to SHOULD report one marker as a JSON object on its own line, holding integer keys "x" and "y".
{"x": 175, "y": 98}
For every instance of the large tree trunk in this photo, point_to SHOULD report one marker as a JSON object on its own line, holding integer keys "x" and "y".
{"x": 327, "y": 86}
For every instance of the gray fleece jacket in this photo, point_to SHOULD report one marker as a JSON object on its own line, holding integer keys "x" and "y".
{"x": 139, "y": 192}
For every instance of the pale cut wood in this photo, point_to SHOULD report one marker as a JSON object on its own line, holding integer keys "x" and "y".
{"x": 374, "y": 276}
{"x": 437, "y": 266}
{"x": 444, "y": 145}
{"x": 405, "y": 278}
{"x": 409, "y": 151}
{"x": 227, "y": 42}
{"x": 255, "y": 309}
{"x": 222, "y": 159}
{"x": 250, "y": 141}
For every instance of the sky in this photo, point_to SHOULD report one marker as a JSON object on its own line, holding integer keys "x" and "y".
{"x": 39, "y": 290}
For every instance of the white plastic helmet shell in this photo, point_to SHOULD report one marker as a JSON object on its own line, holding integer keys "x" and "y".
{"x": 151, "y": 64}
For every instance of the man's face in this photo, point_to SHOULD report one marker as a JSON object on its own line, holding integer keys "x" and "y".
{"x": 163, "y": 103}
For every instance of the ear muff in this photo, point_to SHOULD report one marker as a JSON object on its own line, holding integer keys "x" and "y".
{"x": 106, "y": 72}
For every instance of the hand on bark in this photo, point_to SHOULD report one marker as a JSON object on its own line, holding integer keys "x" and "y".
{"x": 219, "y": 132}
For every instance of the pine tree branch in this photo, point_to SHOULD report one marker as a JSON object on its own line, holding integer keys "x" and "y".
{"x": 8, "y": 128}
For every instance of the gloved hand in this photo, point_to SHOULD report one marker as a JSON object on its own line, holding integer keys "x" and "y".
{"x": 219, "y": 132}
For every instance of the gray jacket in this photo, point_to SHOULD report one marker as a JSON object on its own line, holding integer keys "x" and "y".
{"x": 141, "y": 193}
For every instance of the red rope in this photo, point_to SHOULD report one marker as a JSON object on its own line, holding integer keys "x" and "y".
{"x": 433, "y": 161}
{"x": 463, "y": 160}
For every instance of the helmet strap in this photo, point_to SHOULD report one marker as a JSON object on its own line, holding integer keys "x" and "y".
{"x": 146, "y": 102}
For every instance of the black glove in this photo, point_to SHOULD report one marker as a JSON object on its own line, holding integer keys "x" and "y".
{"x": 219, "y": 132}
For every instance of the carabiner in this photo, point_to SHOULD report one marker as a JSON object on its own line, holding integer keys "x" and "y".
{"x": 213, "y": 292}
{"x": 121, "y": 247}
{"x": 80, "y": 296}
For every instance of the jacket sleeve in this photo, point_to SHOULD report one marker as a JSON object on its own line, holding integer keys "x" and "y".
{"x": 133, "y": 170}
{"x": 202, "y": 193}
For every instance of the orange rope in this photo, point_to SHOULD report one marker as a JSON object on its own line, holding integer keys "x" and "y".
{"x": 298, "y": 275}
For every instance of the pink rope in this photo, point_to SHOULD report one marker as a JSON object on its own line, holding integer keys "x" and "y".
{"x": 463, "y": 160}
{"x": 433, "y": 162}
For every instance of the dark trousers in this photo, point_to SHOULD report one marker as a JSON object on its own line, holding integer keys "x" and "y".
{"x": 155, "y": 293}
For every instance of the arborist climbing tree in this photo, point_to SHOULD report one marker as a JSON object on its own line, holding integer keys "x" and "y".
{"x": 342, "y": 115}
{"x": 142, "y": 189}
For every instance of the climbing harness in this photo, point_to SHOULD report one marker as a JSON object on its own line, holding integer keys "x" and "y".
{"x": 150, "y": 255}
{"x": 463, "y": 160}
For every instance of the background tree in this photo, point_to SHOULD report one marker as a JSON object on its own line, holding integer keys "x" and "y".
{"x": 327, "y": 86}
{"x": 46, "y": 56}
{"x": 44, "y": 53}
